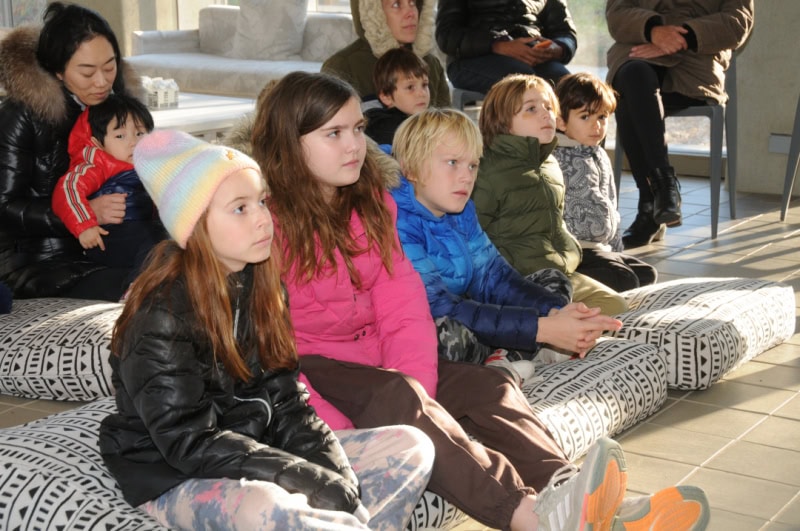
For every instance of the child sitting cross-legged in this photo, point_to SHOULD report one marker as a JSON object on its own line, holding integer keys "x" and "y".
{"x": 590, "y": 209}
{"x": 401, "y": 82}
{"x": 468, "y": 283}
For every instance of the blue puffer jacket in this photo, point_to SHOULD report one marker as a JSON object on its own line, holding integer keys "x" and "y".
{"x": 465, "y": 276}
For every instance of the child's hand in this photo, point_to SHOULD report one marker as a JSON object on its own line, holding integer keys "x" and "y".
{"x": 575, "y": 327}
{"x": 92, "y": 237}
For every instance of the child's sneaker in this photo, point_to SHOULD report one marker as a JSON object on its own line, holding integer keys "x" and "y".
{"x": 681, "y": 507}
{"x": 525, "y": 369}
{"x": 499, "y": 360}
{"x": 585, "y": 500}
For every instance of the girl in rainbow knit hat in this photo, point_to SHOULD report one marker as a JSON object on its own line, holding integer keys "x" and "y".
{"x": 213, "y": 429}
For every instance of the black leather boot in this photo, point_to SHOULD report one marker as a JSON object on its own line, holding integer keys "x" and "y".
{"x": 644, "y": 230}
{"x": 667, "y": 196}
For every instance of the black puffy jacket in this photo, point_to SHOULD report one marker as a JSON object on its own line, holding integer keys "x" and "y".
{"x": 182, "y": 416}
{"x": 467, "y": 28}
{"x": 38, "y": 256}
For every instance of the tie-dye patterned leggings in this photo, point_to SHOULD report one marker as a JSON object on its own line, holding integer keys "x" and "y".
{"x": 393, "y": 465}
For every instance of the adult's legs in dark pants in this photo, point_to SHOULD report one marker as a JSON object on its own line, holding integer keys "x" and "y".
{"x": 477, "y": 479}
{"x": 640, "y": 120}
{"x": 480, "y": 73}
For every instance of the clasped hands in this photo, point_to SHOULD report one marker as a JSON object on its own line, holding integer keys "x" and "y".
{"x": 664, "y": 40}
{"x": 575, "y": 328}
{"x": 529, "y": 50}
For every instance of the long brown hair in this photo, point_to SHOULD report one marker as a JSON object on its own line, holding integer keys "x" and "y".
{"x": 208, "y": 290}
{"x": 297, "y": 105}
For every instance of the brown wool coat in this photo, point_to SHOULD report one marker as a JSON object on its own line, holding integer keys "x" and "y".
{"x": 721, "y": 26}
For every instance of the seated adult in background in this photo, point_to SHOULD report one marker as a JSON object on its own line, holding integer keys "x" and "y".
{"x": 50, "y": 75}
{"x": 382, "y": 25}
{"x": 666, "y": 56}
{"x": 486, "y": 40}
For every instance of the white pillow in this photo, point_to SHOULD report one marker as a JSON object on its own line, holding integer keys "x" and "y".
{"x": 57, "y": 349}
{"x": 270, "y": 29}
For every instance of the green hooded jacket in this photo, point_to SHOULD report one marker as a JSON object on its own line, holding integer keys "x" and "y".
{"x": 519, "y": 197}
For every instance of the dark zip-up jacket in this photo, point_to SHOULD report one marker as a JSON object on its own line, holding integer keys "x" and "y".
{"x": 181, "y": 416}
{"x": 467, "y": 28}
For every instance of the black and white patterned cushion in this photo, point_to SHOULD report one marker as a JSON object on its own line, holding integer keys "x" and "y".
{"x": 57, "y": 348}
{"x": 52, "y": 476}
{"x": 616, "y": 386}
{"x": 709, "y": 326}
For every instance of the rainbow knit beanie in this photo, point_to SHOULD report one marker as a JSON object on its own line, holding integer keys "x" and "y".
{"x": 181, "y": 174}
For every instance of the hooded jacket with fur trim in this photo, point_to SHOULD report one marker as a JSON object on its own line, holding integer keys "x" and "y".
{"x": 355, "y": 62}
{"x": 38, "y": 256}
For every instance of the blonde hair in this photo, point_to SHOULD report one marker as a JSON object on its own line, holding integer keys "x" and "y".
{"x": 505, "y": 99}
{"x": 419, "y": 134}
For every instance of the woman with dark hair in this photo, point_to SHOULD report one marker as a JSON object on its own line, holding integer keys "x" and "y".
{"x": 50, "y": 75}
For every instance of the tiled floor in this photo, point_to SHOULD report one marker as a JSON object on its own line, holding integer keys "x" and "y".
{"x": 739, "y": 440}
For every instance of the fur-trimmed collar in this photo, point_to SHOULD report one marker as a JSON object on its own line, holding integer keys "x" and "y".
{"x": 370, "y": 23}
{"x": 29, "y": 84}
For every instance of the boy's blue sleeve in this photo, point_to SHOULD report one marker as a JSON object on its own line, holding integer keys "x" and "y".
{"x": 494, "y": 279}
{"x": 493, "y": 321}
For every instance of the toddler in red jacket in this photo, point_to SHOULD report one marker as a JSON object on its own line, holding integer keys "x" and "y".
{"x": 101, "y": 162}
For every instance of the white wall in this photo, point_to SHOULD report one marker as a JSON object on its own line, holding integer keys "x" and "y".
{"x": 768, "y": 71}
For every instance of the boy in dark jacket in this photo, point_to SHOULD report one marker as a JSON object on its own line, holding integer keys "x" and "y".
{"x": 401, "y": 81}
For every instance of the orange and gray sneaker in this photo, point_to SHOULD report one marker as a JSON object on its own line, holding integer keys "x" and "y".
{"x": 681, "y": 508}
{"x": 585, "y": 500}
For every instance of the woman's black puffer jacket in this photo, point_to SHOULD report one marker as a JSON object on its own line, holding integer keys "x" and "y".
{"x": 38, "y": 256}
{"x": 467, "y": 28}
{"x": 181, "y": 416}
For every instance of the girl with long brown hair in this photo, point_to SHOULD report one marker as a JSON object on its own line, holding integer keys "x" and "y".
{"x": 213, "y": 428}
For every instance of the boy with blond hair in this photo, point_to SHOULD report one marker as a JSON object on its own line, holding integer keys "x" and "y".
{"x": 480, "y": 303}
{"x": 401, "y": 82}
{"x": 590, "y": 208}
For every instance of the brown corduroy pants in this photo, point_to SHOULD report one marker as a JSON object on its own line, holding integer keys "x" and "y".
{"x": 487, "y": 481}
